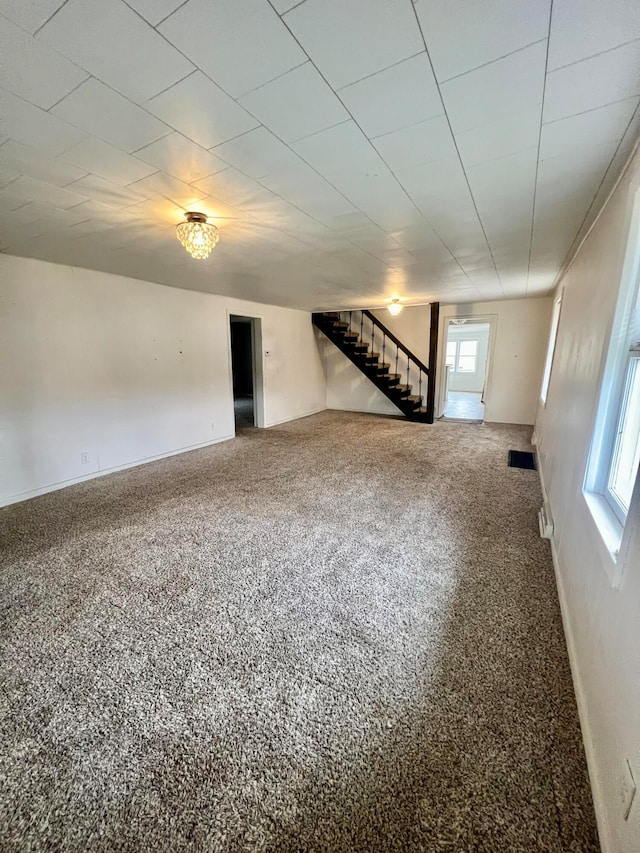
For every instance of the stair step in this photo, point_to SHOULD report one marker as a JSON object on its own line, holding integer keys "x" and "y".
{"x": 331, "y": 315}
{"x": 414, "y": 400}
{"x": 393, "y": 378}
{"x": 383, "y": 367}
{"x": 403, "y": 390}
{"x": 372, "y": 356}
{"x": 361, "y": 348}
{"x": 350, "y": 338}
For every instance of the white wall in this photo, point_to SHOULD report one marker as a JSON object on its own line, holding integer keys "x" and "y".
{"x": 516, "y": 357}
{"x": 349, "y": 389}
{"x": 602, "y": 623}
{"x": 126, "y": 371}
{"x": 473, "y": 380}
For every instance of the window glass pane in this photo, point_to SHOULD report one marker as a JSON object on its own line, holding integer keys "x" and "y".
{"x": 626, "y": 452}
{"x": 451, "y": 354}
{"x": 468, "y": 347}
{"x": 467, "y": 363}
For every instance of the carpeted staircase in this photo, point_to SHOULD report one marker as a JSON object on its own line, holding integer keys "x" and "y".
{"x": 394, "y": 369}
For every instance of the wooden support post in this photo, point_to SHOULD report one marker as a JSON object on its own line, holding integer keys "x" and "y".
{"x": 433, "y": 360}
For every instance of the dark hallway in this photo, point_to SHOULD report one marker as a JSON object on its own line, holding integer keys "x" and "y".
{"x": 242, "y": 371}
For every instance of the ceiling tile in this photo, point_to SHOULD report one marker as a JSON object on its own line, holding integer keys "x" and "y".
{"x": 462, "y": 36}
{"x": 399, "y": 96}
{"x": 94, "y": 155}
{"x": 235, "y": 188}
{"x": 496, "y": 91}
{"x": 256, "y": 153}
{"x": 337, "y": 148}
{"x": 570, "y": 168}
{"x": 33, "y": 212}
{"x": 282, "y": 6}
{"x": 32, "y": 189}
{"x": 202, "y": 111}
{"x": 28, "y": 124}
{"x": 178, "y": 156}
{"x": 33, "y": 71}
{"x": 508, "y": 177}
{"x": 12, "y": 199}
{"x": 301, "y": 186}
{"x": 163, "y": 185}
{"x": 516, "y": 132}
{"x": 380, "y": 196}
{"x": 29, "y": 14}
{"x": 493, "y": 92}
{"x": 387, "y": 33}
{"x": 587, "y": 129}
{"x": 238, "y": 45}
{"x": 106, "y": 192}
{"x": 27, "y": 160}
{"x": 593, "y": 83}
{"x": 582, "y": 28}
{"x": 296, "y": 104}
{"x": 106, "y": 114}
{"x": 90, "y": 226}
{"x": 419, "y": 143}
{"x": 155, "y": 11}
{"x": 94, "y": 210}
{"x": 139, "y": 63}
{"x": 7, "y": 173}
{"x": 436, "y": 178}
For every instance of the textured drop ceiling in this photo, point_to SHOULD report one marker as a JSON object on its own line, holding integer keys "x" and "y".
{"x": 348, "y": 150}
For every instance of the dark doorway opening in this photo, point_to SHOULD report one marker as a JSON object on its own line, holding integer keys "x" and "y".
{"x": 242, "y": 359}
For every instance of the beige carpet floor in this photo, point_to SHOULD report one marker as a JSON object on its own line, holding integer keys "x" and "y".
{"x": 341, "y": 634}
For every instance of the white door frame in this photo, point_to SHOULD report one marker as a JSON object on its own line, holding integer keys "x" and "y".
{"x": 257, "y": 366}
{"x": 452, "y": 312}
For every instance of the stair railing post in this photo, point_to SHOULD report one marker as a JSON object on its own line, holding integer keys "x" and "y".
{"x": 361, "y": 326}
{"x": 433, "y": 356}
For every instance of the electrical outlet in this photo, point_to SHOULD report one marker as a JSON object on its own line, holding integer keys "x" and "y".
{"x": 627, "y": 790}
{"x": 84, "y": 458}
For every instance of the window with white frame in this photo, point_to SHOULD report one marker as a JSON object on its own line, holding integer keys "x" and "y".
{"x": 551, "y": 348}
{"x": 462, "y": 356}
{"x": 615, "y": 451}
{"x": 625, "y": 453}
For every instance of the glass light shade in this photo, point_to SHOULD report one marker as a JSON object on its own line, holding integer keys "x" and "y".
{"x": 197, "y": 236}
{"x": 394, "y": 307}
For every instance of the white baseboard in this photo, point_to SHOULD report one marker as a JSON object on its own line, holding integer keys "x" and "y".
{"x": 295, "y": 418}
{"x": 604, "y": 833}
{"x": 398, "y": 412}
{"x": 63, "y": 484}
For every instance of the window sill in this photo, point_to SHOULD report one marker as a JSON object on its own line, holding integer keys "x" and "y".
{"x": 609, "y": 528}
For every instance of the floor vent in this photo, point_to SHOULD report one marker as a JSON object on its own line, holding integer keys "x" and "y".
{"x": 522, "y": 459}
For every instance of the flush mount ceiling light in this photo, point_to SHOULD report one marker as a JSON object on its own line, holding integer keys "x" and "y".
{"x": 394, "y": 307}
{"x": 197, "y": 236}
